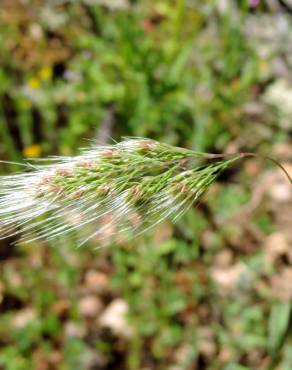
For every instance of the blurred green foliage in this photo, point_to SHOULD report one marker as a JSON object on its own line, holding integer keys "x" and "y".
{"x": 63, "y": 68}
{"x": 182, "y": 73}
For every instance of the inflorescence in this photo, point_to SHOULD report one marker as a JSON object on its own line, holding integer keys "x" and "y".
{"x": 120, "y": 189}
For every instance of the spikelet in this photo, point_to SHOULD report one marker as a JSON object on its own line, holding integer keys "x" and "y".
{"x": 122, "y": 189}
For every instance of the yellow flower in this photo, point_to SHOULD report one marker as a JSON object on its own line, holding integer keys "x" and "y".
{"x": 34, "y": 83}
{"x": 45, "y": 73}
{"x": 263, "y": 65}
{"x": 32, "y": 151}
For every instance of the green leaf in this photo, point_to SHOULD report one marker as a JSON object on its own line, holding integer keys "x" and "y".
{"x": 278, "y": 324}
{"x": 236, "y": 367}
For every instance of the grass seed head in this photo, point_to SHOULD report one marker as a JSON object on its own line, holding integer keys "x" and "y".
{"x": 135, "y": 184}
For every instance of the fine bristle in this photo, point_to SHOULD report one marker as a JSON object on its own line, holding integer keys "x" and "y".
{"x": 108, "y": 192}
